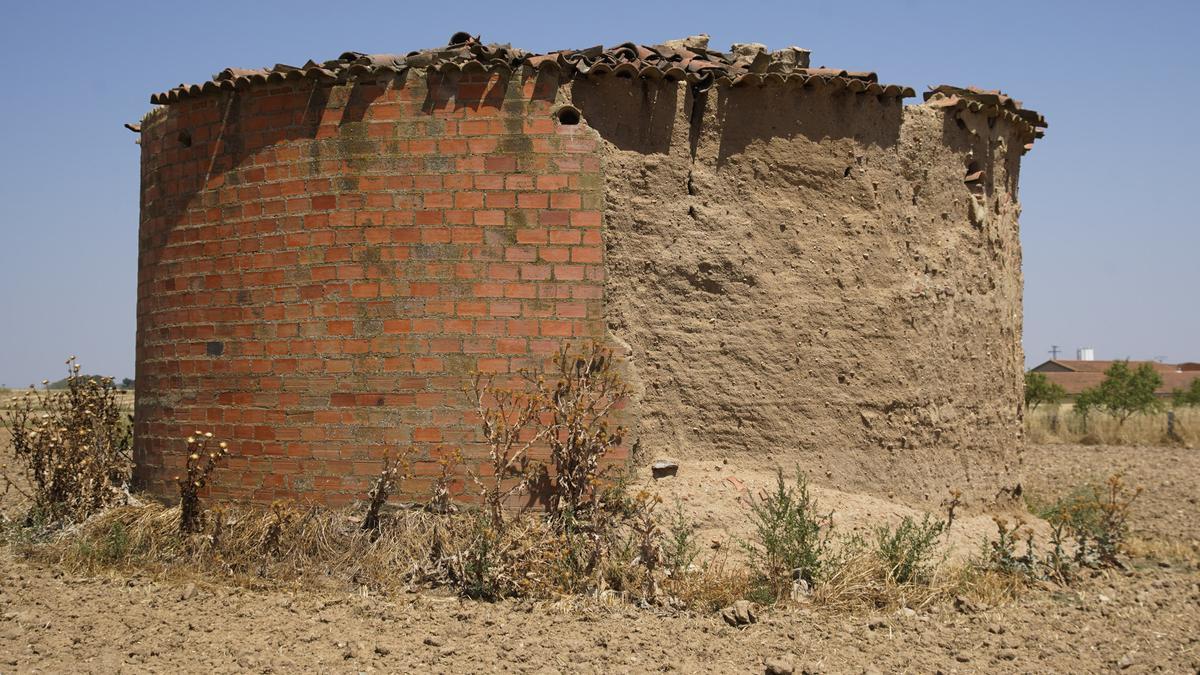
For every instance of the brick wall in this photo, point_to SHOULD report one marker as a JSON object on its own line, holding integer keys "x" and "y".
{"x": 323, "y": 267}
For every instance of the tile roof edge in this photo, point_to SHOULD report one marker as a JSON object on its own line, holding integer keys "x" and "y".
{"x": 677, "y": 60}
{"x": 991, "y": 102}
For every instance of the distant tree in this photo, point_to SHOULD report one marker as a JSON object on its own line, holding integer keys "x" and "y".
{"x": 1123, "y": 393}
{"x": 66, "y": 381}
{"x": 1039, "y": 389}
{"x": 1189, "y": 396}
{"x": 127, "y": 383}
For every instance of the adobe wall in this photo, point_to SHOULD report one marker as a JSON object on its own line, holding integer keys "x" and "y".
{"x": 322, "y": 267}
{"x": 804, "y": 278}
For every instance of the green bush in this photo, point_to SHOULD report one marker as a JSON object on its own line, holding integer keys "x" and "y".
{"x": 792, "y": 537}
{"x": 1189, "y": 397}
{"x": 679, "y": 546}
{"x": 907, "y": 552}
{"x": 1095, "y": 517}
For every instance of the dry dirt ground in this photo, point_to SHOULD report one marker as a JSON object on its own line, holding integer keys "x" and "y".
{"x": 1144, "y": 620}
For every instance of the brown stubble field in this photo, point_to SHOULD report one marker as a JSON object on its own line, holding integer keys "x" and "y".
{"x": 1141, "y": 619}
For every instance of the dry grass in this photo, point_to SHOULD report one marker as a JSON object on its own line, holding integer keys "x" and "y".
{"x": 861, "y": 580}
{"x": 8, "y": 398}
{"x": 1166, "y": 550}
{"x": 1060, "y": 424}
{"x": 290, "y": 546}
{"x": 302, "y": 546}
{"x": 710, "y": 586}
{"x": 285, "y": 545}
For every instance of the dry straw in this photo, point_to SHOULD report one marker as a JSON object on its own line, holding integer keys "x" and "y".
{"x": 1060, "y": 424}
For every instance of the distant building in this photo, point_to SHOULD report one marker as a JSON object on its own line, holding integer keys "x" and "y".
{"x": 1075, "y": 375}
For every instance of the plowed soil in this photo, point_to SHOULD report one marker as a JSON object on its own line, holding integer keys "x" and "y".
{"x": 1144, "y": 619}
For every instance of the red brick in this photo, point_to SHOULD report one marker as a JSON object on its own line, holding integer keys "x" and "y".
{"x": 586, "y": 254}
{"x": 353, "y": 296}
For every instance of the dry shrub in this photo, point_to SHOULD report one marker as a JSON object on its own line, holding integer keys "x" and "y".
{"x": 521, "y": 558}
{"x": 395, "y": 470}
{"x": 1170, "y": 550}
{"x": 71, "y": 447}
{"x": 203, "y": 455}
{"x": 599, "y": 539}
{"x": 580, "y": 401}
{"x": 440, "y": 497}
{"x": 594, "y": 537}
{"x": 982, "y": 587}
{"x": 709, "y": 586}
{"x": 860, "y": 577}
{"x": 511, "y": 428}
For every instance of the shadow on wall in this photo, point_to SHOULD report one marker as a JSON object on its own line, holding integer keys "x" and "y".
{"x": 640, "y": 116}
{"x": 475, "y": 91}
{"x": 992, "y": 159}
{"x": 637, "y": 116}
{"x": 747, "y": 114}
{"x": 219, "y": 134}
{"x": 187, "y": 153}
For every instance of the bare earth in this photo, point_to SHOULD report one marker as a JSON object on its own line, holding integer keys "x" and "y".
{"x": 1144, "y": 620}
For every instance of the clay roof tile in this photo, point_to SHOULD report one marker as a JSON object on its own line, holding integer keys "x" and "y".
{"x": 991, "y": 102}
{"x": 677, "y": 60}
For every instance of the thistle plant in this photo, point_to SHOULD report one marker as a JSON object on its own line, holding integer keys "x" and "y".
{"x": 70, "y": 446}
{"x": 395, "y": 469}
{"x": 578, "y": 402}
{"x": 202, "y": 458}
{"x": 508, "y": 424}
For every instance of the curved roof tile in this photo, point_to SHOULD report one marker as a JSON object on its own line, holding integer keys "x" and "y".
{"x": 992, "y": 102}
{"x": 688, "y": 59}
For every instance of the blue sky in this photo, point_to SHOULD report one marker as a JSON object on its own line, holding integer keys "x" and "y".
{"x": 1109, "y": 222}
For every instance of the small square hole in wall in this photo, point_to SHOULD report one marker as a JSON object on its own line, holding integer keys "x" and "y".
{"x": 215, "y": 348}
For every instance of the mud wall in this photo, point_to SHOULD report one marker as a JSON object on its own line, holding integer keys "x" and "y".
{"x": 816, "y": 277}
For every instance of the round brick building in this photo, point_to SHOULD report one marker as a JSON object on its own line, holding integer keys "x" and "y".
{"x": 789, "y": 260}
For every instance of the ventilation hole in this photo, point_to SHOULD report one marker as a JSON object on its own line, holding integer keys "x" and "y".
{"x": 459, "y": 38}
{"x": 185, "y": 138}
{"x": 568, "y": 115}
{"x": 214, "y": 348}
{"x": 974, "y": 173}
{"x": 846, "y": 173}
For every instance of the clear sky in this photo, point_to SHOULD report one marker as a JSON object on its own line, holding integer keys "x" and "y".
{"x": 1109, "y": 225}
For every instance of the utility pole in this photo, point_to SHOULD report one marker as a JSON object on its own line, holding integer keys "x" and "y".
{"x": 1054, "y": 352}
